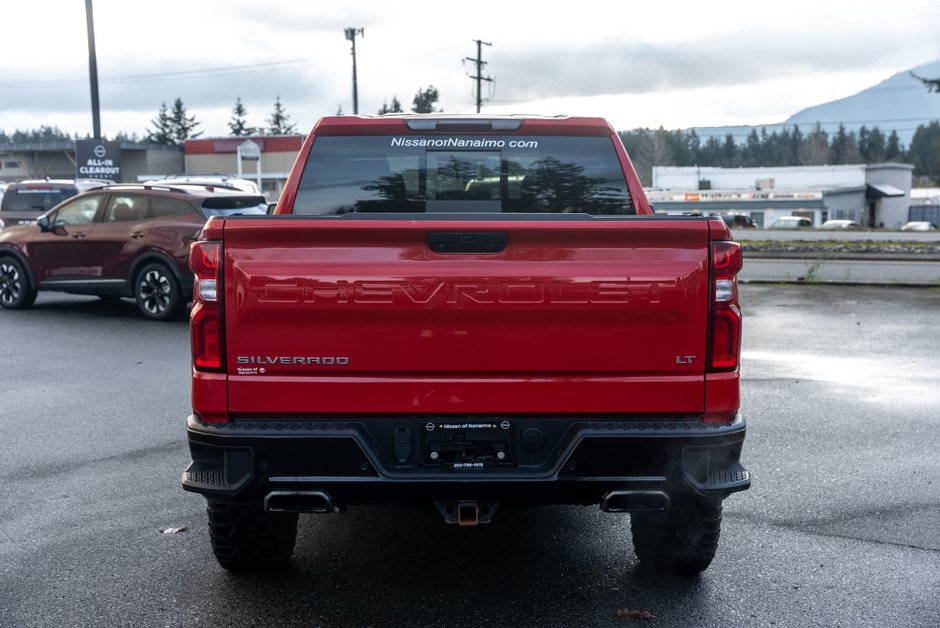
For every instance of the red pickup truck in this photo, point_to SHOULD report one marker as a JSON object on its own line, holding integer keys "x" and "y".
{"x": 466, "y": 311}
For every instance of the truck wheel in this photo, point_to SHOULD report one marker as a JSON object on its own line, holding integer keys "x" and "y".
{"x": 16, "y": 293}
{"x": 157, "y": 293}
{"x": 246, "y": 538}
{"x": 682, "y": 539}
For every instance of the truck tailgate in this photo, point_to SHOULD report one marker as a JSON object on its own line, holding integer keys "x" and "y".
{"x": 372, "y": 316}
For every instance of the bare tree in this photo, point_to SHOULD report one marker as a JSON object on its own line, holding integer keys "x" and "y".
{"x": 932, "y": 85}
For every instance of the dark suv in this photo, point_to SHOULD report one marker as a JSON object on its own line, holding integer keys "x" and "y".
{"x": 738, "y": 221}
{"x": 24, "y": 201}
{"x": 116, "y": 241}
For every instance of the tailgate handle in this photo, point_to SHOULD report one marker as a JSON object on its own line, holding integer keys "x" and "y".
{"x": 467, "y": 241}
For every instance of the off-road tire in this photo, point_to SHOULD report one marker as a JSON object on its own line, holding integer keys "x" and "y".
{"x": 246, "y": 538}
{"x": 682, "y": 539}
{"x": 16, "y": 291}
{"x": 157, "y": 293}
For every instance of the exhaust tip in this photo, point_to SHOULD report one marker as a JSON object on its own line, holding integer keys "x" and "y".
{"x": 299, "y": 501}
{"x": 635, "y": 501}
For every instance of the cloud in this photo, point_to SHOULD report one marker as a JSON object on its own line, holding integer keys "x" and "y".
{"x": 225, "y": 49}
{"x": 629, "y": 67}
{"x": 145, "y": 87}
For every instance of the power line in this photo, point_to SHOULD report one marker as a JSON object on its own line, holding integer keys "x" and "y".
{"x": 156, "y": 76}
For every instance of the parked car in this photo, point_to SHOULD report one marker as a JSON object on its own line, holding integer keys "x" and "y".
{"x": 840, "y": 224}
{"x": 738, "y": 221}
{"x": 919, "y": 225}
{"x": 222, "y": 180}
{"x": 24, "y": 201}
{"x": 792, "y": 222}
{"x": 116, "y": 241}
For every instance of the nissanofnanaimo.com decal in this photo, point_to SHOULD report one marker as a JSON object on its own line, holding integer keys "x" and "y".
{"x": 461, "y": 142}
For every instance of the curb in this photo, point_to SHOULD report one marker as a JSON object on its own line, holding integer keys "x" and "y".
{"x": 859, "y": 257}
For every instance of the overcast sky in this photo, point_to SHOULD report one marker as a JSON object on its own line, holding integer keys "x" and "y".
{"x": 639, "y": 64}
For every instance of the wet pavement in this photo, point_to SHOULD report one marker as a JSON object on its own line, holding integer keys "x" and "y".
{"x": 839, "y": 529}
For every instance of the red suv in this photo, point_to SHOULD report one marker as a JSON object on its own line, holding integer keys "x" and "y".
{"x": 116, "y": 241}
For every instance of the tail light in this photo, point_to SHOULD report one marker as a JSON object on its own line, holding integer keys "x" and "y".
{"x": 725, "y": 344}
{"x": 206, "y": 318}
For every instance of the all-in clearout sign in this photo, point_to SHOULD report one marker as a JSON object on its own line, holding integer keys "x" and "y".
{"x": 98, "y": 160}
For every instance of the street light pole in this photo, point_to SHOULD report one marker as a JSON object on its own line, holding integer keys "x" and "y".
{"x": 93, "y": 70}
{"x": 351, "y": 34}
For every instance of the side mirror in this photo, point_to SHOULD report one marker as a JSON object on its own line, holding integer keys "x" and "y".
{"x": 43, "y": 222}
{"x": 271, "y": 208}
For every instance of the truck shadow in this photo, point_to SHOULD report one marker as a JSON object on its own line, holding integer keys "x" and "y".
{"x": 404, "y": 566}
{"x": 79, "y": 307}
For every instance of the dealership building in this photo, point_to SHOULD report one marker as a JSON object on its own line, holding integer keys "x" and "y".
{"x": 874, "y": 195}
{"x": 58, "y": 160}
{"x": 266, "y": 159}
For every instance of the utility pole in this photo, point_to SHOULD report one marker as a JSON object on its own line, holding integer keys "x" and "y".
{"x": 479, "y": 75}
{"x": 93, "y": 70}
{"x": 351, "y": 34}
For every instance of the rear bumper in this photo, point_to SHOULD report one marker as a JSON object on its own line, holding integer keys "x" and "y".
{"x": 526, "y": 459}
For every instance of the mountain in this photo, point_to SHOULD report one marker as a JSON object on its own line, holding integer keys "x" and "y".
{"x": 899, "y": 103}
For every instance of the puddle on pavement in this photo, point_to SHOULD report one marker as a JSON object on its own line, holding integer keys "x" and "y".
{"x": 881, "y": 378}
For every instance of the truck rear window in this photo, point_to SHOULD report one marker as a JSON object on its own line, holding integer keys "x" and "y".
{"x": 35, "y": 198}
{"x": 463, "y": 173}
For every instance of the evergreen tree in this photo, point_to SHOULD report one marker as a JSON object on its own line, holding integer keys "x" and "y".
{"x": 729, "y": 153}
{"x": 837, "y": 146}
{"x": 766, "y": 149}
{"x": 124, "y": 137}
{"x": 44, "y": 133}
{"x": 639, "y": 145}
{"x": 662, "y": 153}
{"x": 793, "y": 150}
{"x": 279, "y": 122}
{"x": 774, "y": 147}
{"x": 684, "y": 147}
{"x": 162, "y": 131}
{"x": 710, "y": 154}
{"x": 814, "y": 151}
{"x": 182, "y": 125}
{"x": 694, "y": 148}
{"x": 395, "y": 107}
{"x": 852, "y": 154}
{"x": 752, "y": 150}
{"x": 893, "y": 150}
{"x": 924, "y": 152}
{"x": 873, "y": 147}
{"x": 425, "y": 100}
{"x": 237, "y": 124}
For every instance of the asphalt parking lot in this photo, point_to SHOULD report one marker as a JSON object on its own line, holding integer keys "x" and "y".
{"x": 841, "y": 527}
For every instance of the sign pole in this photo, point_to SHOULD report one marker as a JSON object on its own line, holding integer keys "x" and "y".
{"x": 93, "y": 70}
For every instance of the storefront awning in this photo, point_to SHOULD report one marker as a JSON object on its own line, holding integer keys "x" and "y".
{"x": 874, "y": 191}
